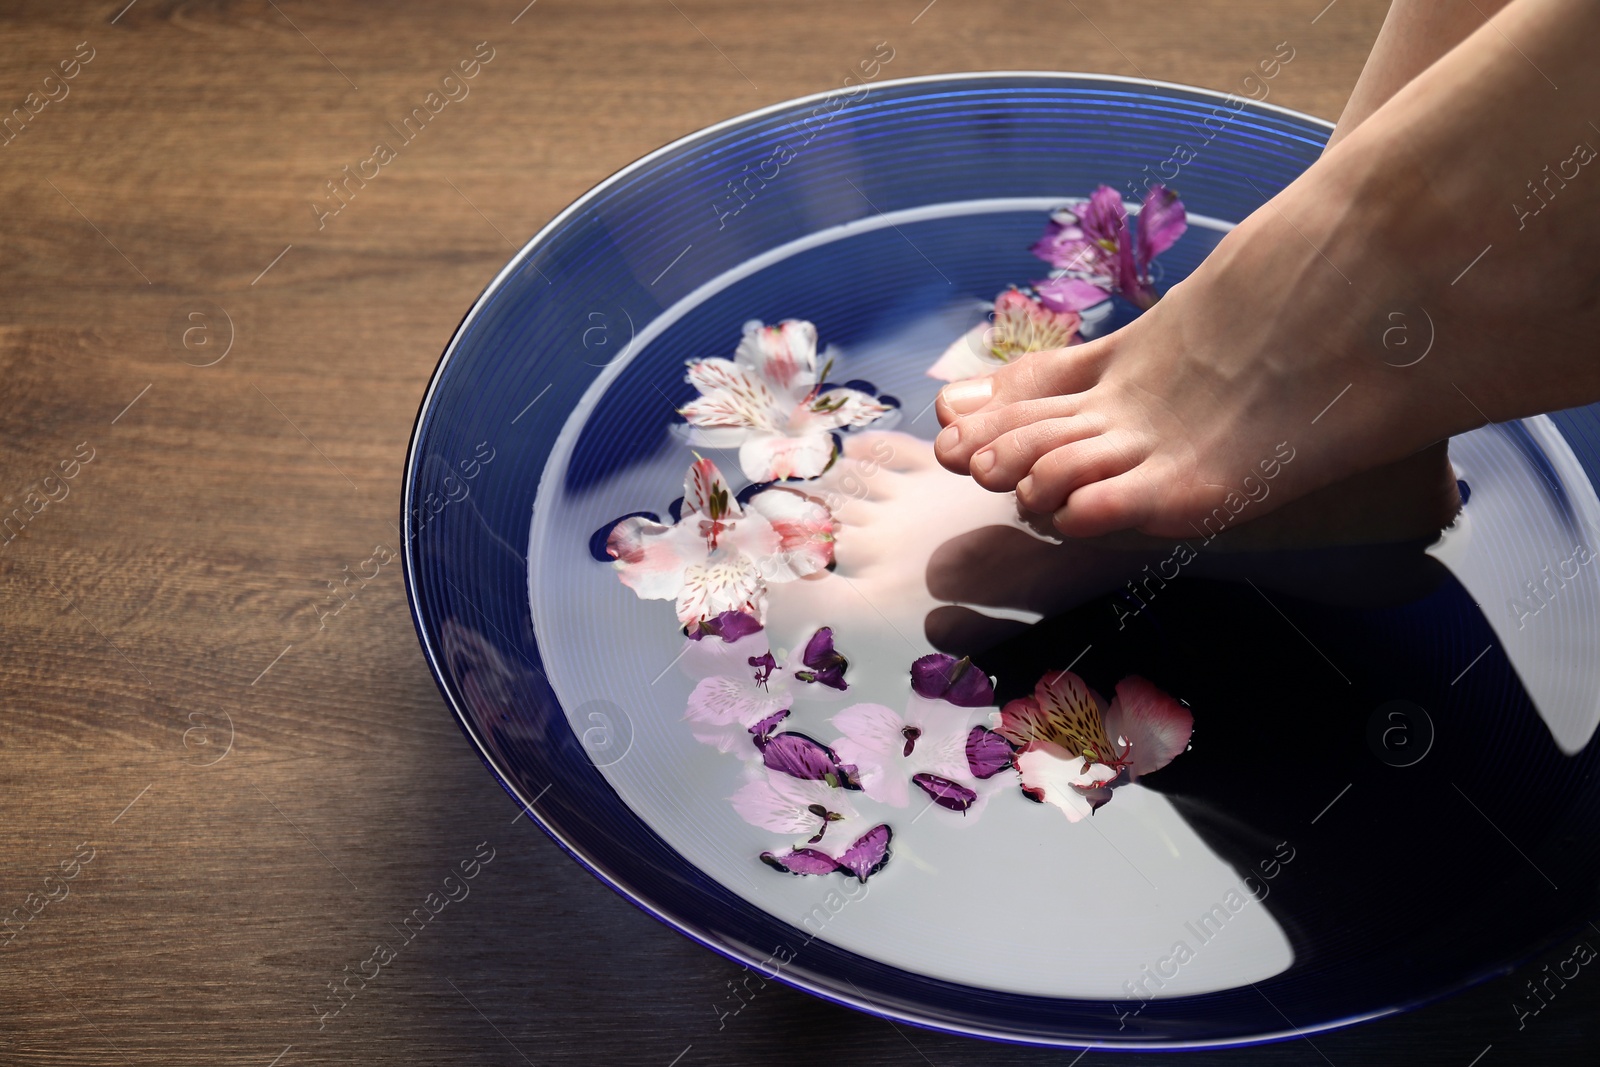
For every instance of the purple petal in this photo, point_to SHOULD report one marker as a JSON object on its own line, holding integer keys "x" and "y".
{"x": 827, "y": 667}
{"x": 764, "y": 665}
{"x": 801, "y": 861}
{"x": 869, "y": 854}
{"x": 944, "y": 792}
{"x": 941, "y": 677}
{"x": 761, "y": 732}
{"x": 800, "y": 757}
{"x": 1162, "y": 220}
{"x": 987, "y": 752}
{"x": 730, "y": 626}
{"x": 1069, "y": 294}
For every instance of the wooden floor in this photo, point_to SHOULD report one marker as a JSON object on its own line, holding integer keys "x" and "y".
{"x": 216, "y": 805}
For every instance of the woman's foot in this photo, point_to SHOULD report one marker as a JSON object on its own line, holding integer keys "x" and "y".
{"x": 1273, "y": 371}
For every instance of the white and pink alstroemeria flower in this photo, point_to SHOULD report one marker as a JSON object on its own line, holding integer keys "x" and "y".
{"x": 1071, "y": 746}
{"x": 767, "y": 402}
{"x": 921, "y": 751}
{"x": 1019, "y": 324}
{"x": 721, "y": 555}
{"x": 1095, "y": 252}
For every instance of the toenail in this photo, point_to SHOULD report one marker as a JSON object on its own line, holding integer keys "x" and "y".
{"x": 983, "y": 462}
{"x": 967, "y": 396}
{"x": 948, "y": 438}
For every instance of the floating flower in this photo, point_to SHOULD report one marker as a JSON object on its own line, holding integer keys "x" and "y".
{"x": 1018, "y": 325}
{"x": 720, "y": 556}
{"x": 770, "y": 401}
{"x": 1095, "y": 253}
{"x": 1070, "y": 746}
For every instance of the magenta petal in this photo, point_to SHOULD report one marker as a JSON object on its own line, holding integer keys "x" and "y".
{"x": 1069, "y": 294}
{"x": 801, "y": 861}
{"x": 944, "y": 792}
{"x": 1156, "y": 727}
{"x": 1162, "y": 220}
{"x": 800, "y": 757}
{"x": 1104, "y": 218}
{"x": 825, "y": 666}
{"x": 761, "y": 732}
{"x": 987, "y": 752}
{"x": 869, "y": 854}
{"x": 959, "y": 681}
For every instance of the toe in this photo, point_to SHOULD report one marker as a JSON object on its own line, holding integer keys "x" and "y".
{"x": 958, "y": 441}
{"x": 1061, "y": 472}
{"x": 1056, "y": 372}
{"x": 1124, "y": 502}
{"x": 1002, "y": 463}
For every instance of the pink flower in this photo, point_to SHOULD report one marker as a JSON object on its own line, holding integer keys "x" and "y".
{"x": 1018, "y": 325}
{"x": 766, "y": 400}
{"x": 1070, "y": 746}
{"x": 720, "y": 556}
{"x": 1095, "y": 253}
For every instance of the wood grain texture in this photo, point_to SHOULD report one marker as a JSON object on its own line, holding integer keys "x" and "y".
{"x": 166, "y": 604}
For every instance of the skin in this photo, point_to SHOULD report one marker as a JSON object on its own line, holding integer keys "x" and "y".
{"x": 1276, "y": 338}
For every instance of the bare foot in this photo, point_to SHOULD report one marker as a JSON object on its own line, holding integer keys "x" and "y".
{"x": 1262, "y": 379}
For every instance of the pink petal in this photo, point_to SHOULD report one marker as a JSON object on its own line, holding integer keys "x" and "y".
{"x": 651, "y": 558}
{"x": 1104, "y": 218}
{"x": 1162, "y": 220}
{"x": 805, "y": 534}
{"x": 723, "y": 701}
{"x": 1070, "y": 294}
{"x": 1156, "y": 727}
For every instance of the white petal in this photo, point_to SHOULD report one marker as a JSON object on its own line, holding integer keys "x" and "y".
{"x": 769, "y": 457}
{"x": 785, "y": 355}
{"x": 1051, "y": 771}
{"x": 726, "y": 581}
{"x": 730, "y": 396}
{"x": 966, "y": 358}
{"x": 839, "y": 407}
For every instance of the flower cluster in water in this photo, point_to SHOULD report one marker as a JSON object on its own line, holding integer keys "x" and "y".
{"x": 951, "y": 745}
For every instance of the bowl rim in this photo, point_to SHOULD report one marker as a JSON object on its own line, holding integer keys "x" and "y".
{"x": 432, "y": 656}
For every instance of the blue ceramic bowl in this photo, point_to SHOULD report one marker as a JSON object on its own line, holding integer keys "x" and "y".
{"x": 1404, "y": 896}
